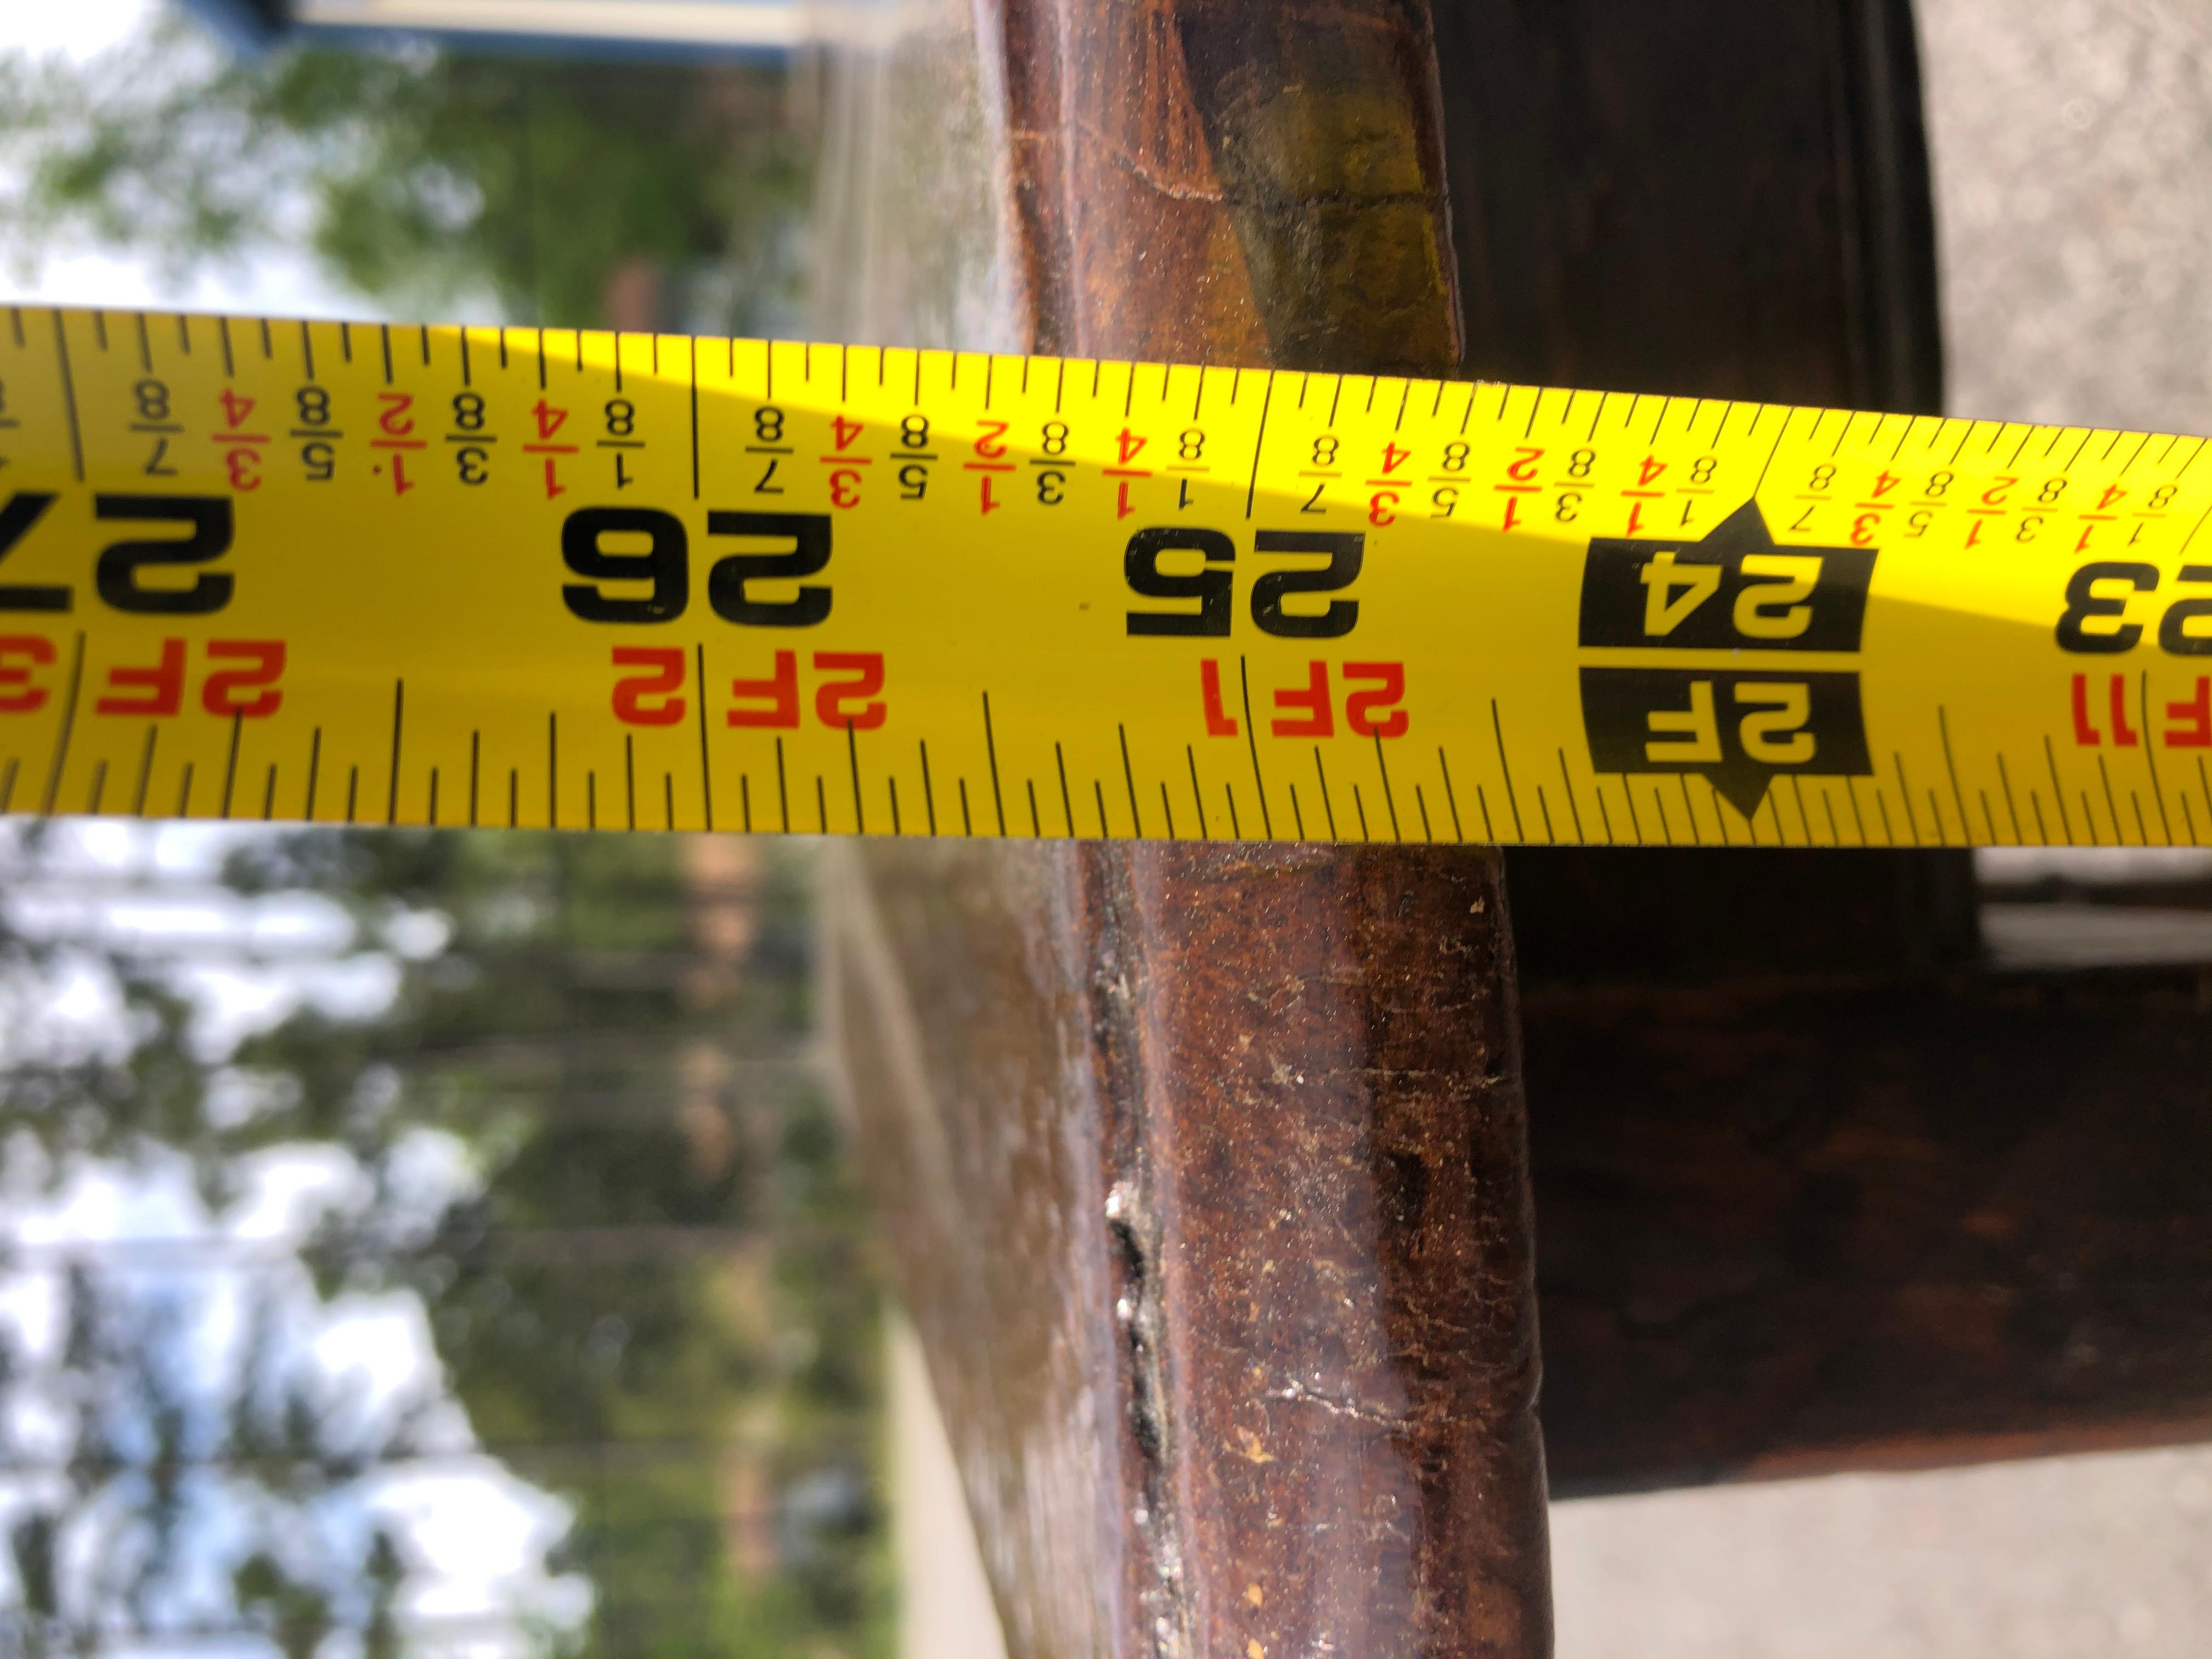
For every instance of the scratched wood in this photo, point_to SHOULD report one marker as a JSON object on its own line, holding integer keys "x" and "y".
{"x": 1814, "y": 1190}
{"x": 1207, "y": 1167}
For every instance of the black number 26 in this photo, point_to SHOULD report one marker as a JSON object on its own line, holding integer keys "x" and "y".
{"x": 663, "y": 564}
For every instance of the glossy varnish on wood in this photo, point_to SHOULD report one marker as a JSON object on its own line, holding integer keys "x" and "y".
{"x": 1227, "y": 183}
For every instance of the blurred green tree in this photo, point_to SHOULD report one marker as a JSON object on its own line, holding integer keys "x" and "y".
{"x": 656, "y": 1297}
{"x": 421, "y": 178}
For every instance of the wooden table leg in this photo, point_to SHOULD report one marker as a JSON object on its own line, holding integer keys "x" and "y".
{"x": 1205, "y": 1173}
{"x": 1206, "y": 1165}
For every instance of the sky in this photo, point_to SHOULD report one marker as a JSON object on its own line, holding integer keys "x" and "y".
{"x": 78, "y": 30}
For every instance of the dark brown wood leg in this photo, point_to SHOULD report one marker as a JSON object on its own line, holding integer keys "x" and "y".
{"x": 1207, "y": 1173}
{"x": 1324, "y": 1238}
{"x": 1207, "y": 1165}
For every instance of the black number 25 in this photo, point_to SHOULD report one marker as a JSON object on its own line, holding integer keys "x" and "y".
{"x": 1212, "y": 583}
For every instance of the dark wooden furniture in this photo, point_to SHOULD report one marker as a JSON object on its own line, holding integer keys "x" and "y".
{"x": 1205, "y": 1166}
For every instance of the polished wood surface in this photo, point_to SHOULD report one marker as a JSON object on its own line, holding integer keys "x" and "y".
{"x": 1712, "y": 198}
{"x": 1814, "y": 1189}
{"x": 1221, "y": 182}
{"x": 1789, "y": 1227}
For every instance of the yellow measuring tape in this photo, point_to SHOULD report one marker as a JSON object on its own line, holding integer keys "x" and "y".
{"x": 261, "y": 569}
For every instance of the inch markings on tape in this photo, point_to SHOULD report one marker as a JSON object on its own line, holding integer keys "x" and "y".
{"x": 513, "y": 577}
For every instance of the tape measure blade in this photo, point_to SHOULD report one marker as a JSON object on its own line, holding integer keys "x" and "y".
{"x": 333, "y": 572}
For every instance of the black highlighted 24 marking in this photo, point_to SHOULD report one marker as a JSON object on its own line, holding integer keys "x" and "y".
{"x": 1734, "y": 591}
